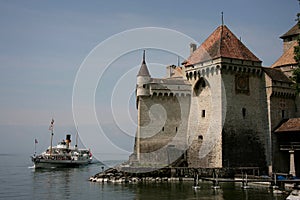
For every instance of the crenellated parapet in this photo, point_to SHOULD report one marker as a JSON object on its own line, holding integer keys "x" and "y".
{"x": 163, "y": 88}
{"x": 171, "y": 94}
{"x": 197, "y": 73}
{"x": 283, "y": 93}
{"x": 173, "y": 87}
{"x": 223, "y": 65}
{"x": 243, "y": 69}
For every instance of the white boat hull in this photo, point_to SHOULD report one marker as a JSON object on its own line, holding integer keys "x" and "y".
{"x": 43, "y": 163}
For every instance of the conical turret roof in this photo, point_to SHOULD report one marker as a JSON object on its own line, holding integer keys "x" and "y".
{"x": 143, "y": 69}
{"x": 221, "y": 43}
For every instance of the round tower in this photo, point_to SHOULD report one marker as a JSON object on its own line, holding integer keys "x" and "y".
{"x": 143, "y": 79}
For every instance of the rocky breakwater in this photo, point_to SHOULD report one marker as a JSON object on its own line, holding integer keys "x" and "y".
{"x": 114, "y": 175}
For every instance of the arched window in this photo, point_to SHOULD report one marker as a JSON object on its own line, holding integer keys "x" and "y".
{"x": 195, "y": 74}
{"x": 199, "y": 86}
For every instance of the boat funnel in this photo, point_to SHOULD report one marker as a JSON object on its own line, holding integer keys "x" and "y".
{"x": 68, "y": 140}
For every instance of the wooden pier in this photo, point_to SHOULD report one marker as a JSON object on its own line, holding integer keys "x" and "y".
{"x": 245, "y": 182}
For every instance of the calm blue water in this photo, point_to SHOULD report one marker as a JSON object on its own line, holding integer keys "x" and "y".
{"x": 19, "y": 181}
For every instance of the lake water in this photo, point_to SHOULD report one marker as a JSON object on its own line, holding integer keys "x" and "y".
{"x": 19, "y": 181}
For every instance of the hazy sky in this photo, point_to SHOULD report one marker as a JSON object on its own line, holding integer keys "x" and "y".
{"x": 43, "y": 44}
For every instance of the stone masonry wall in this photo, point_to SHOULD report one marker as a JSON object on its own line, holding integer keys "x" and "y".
{"x": 281, "y": 108}
{"x": 246, "y": 141}
{"x": 163, "y": 127}
{"x": 205, "y": 120}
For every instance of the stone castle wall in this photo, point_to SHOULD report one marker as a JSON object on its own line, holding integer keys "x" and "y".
{"x": 205, "y": 120}
{"x": 234, "y": 131}
{"x": 281, "y": 108}
{"x": 246, "y": 140}
{"x": 283, "y": 104}
{"x": 163, "y": 126}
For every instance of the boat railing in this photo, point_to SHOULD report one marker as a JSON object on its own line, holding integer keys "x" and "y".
{"x": 55, "y": 157}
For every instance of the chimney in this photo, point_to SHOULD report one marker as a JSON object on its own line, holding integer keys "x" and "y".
{"x": 170, "y": 70}
{"x": 193, "y": 47}
{"x": 68, "y": 140}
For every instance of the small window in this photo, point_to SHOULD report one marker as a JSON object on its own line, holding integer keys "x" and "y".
{"x": 163, "y": 129}
{"x": 200, "y": 137}
{"x": 282, "y": 114}
{"x": 203, "y": 113}
{"x": 176, "y": 129}
{"x": 244, "y": 112}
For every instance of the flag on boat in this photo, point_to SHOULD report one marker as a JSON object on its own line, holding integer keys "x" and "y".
{"x": 35, "y": 141}
{"x": 51, "y": 125}
{"x": 90, "y": 153}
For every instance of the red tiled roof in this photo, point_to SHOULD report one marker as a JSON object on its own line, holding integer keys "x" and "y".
{"x": 276, "y": 75}
{"x": 290, "y": 125}
{"x": 287, "y": 58}
{"x": 221, "y": 43}
{"x": 292, "y": 32}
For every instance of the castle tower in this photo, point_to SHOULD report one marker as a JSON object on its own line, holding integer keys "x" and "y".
{"x": 163, "y": 109}
{"x": 142, "y": 89}
{"x": 286, "y": 62}
{"x": 290, "y": 37}
{"x": 229, "y": 103}
{"x": 283, "y": 102}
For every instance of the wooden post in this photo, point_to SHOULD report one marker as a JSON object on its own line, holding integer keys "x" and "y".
{"x": 292, "y": 163}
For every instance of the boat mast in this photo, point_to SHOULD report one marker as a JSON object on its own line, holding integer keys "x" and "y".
{"x": 51, "y": 142}
{"x": 51, "y": 129}
{"x": 35, "y": 142}
{"x": 76, "y": 138}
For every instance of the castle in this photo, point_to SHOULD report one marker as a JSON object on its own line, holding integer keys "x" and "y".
{"x": 220, "y": 109}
